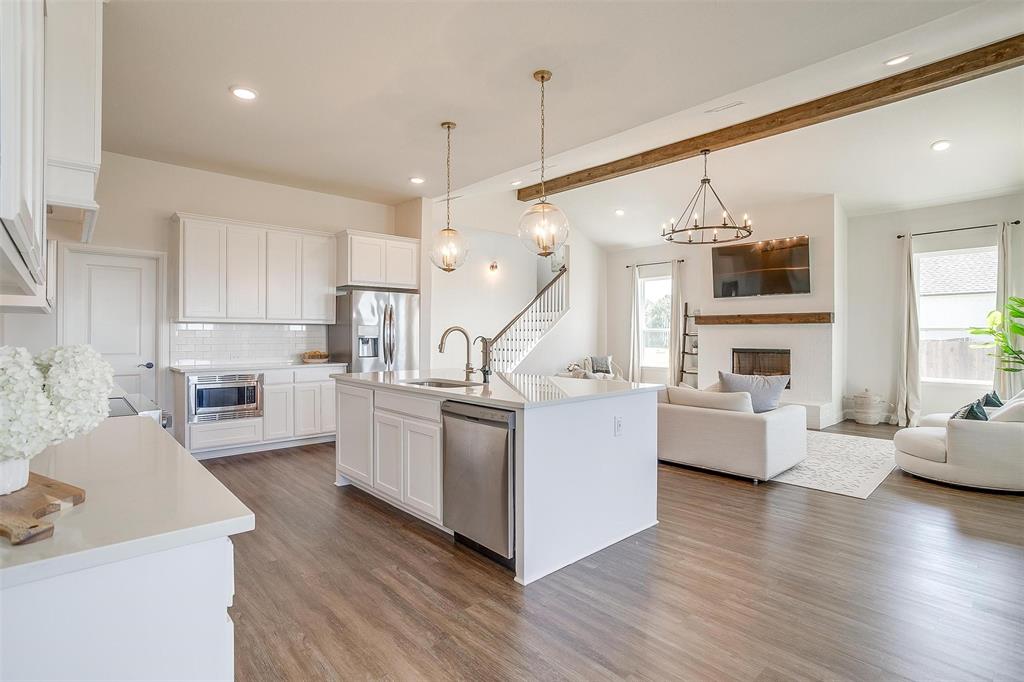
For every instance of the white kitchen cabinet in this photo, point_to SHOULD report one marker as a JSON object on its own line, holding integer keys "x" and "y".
{"x": 22, "y": 158}
{"x": 307, "y": 410}
{"x": 388, "y": 468}
{"x": 353, "y": 412}
{"x": 371, "y": 259}
{"x": 318, "y": 278}
{"x": 278, "y": 412}
{"x": 74, "y": 75}
{"x": 227, "y": 433}
{"x": 203, "y": 256}
{"x": 284, "y": 276}
{"x": 401, "y": 263}
{"x": 327, "y": 408}
{"x": 421, "y": 445}
{"x": 246, "y": 272}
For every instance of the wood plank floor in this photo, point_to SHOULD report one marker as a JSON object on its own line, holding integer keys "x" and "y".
{"x": 737, "y": 582}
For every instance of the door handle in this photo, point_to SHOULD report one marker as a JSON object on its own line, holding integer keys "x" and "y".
{"x": 147, "y": 365}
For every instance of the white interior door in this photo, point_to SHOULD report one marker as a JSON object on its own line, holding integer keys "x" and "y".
{"x": 110, "y": 302}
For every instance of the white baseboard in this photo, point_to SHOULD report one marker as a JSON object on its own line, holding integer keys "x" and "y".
{"x": 262, "y": 447}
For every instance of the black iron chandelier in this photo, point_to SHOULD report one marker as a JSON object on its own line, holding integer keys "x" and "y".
{"x": 692, "y": 227}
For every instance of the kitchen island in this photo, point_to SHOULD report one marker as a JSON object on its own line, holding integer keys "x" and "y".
{"x": 584, "y": 464}
{"x": 135, "y": 581}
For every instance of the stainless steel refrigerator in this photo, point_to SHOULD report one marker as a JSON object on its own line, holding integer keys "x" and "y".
{"x": 375, "y": 331}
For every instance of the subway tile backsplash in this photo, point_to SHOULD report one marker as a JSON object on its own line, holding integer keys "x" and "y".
{"x": 199, "y": 344}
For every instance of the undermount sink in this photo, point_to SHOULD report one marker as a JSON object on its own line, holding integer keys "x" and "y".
{"x": 441, "y": 383}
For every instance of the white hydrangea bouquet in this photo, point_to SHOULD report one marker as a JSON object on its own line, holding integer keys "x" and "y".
{"x": 61, "y": 393}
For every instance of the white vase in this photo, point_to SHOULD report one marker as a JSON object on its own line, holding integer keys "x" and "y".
{"x": 13, "y": 474}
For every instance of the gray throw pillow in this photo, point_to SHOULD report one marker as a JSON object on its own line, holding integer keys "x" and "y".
{"x": 975, "y": 411}
{"x": 764, "y": 391}
{"x": 602, "y": 364}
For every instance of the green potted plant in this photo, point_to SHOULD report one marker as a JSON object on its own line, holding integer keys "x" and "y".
{"x": 1002, "y": 329}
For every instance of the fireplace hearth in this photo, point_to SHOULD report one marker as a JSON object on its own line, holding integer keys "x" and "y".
{"x": 761, "y": 361}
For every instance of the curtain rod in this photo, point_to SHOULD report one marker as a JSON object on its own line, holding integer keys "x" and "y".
{"x": 657, "y": 262}
{"x": 955, "y": 229}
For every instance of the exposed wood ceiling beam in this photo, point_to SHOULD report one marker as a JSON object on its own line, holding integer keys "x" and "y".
{"x": 961, "y": 68}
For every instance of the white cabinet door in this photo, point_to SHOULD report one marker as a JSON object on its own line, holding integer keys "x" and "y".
{"x": 204, "y": 271}
{"x": 317, "y": 278}
{"x": 387, "y": 455}
{"x": 307, "y": 409}
{"x": 402, "y": 264}
{"x": 278, "y": 412}
{"x": 246, "y": 273}
{"x": 327, "y": 420}
{"x": 421, "y": 442}
{"x": 22, "y": 161}
{"x": 366, "y": 258}
{"x": 284, "y": 275}
{"x": 353, "y": 412}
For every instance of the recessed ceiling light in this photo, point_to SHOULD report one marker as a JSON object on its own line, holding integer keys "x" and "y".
{"x": 941, "y": 145}
{"x": 516, "y": 183}
{"x": 620, "y": 212}
{"x": 896, "y": 61}
{"x": 247, "y": 94}
{"x": 416, "y": 181}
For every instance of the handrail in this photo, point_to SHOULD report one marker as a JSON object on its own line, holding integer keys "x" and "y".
{"x": 561, "y": 273}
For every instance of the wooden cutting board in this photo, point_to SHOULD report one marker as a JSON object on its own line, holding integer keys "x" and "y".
{"x": 21, "y": 512}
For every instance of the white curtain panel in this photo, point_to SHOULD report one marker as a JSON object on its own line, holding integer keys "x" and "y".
{"x": 1010, "y": 283}
{"x": 635, "y": 344}
{"x": 908, "y": 382}
{"x": 675, "y": 326}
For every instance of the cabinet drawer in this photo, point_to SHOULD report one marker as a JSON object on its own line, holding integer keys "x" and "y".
{"x": 278, "y": 376}
{"x": 225, "y": 434}
{"x": 424, "y": 408}
{"x": 317, "y": 373}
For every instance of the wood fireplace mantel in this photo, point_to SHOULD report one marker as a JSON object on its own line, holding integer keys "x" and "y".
{"x": 768, "y": 318}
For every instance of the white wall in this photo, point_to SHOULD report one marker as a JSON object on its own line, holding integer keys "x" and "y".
{"x": 873, "y": 262}
{"x": 581, "y": 331}
{"x": 475, "y": 298}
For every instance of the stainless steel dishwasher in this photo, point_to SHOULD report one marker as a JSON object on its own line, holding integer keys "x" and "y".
{"x": 479, "y": 466}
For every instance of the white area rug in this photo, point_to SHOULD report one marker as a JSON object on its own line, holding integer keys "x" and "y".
{"x": 846, "y": 465}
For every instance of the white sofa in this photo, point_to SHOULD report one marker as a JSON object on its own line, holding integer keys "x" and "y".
{"x": 756, "y": 446}
{"x": 977, "y": 454}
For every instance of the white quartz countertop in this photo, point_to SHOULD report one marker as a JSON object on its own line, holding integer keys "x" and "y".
{"x": 144, "y": 493}
{"x": 241, "y": 366}
{"x": 505, "y": 390}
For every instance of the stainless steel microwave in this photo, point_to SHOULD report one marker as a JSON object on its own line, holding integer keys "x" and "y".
{"x": 212, "y": 397}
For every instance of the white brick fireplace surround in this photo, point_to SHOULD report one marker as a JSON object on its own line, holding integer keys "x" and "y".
{"x": 810, "y": 347}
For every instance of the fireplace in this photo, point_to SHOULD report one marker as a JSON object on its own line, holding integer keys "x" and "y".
{"x": 762, "y": 361}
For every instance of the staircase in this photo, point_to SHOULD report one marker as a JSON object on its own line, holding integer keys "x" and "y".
{"x": 511, "y": 345}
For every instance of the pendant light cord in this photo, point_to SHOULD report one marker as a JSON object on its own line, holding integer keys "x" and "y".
{"x": 543, "y": 191}
{"x": 448, "y": 189}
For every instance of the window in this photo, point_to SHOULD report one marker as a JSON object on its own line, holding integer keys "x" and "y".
{"x": 956, "y": 290}
{"x": 656, "y": 304}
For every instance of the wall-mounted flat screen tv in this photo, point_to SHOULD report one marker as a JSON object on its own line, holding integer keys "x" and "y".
{"x": 765, "y": 268}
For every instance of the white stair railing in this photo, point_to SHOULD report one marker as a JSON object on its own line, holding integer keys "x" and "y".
{"x": 511, "y": 345}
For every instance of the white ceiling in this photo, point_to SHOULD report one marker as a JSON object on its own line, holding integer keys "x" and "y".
{"x": 875, "y": 161}
{"x": 352, "y": 94}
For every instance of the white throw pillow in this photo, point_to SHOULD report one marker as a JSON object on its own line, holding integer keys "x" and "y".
{"x": 1010, "y": 412}
{"x": 732, "y": 402}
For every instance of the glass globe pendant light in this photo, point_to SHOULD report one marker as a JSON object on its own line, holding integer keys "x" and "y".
{"x": 543, "y": 228}
{"x": 449, "y": 249}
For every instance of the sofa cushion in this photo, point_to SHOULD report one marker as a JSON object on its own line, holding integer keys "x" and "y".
{"x": 926, "y": 442}
{"x": 1010, "y": 412}
{"x": 601, "y": 364}
{"x": 764, "y": 391}
{"x": 975, "y": 411}
{"x": 938, "y": 419}
{"x": 690, "y": 397}
{"x": 991, "y": 399}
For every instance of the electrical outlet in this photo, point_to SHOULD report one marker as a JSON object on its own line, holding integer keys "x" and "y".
{"x": 617, "y": 425}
